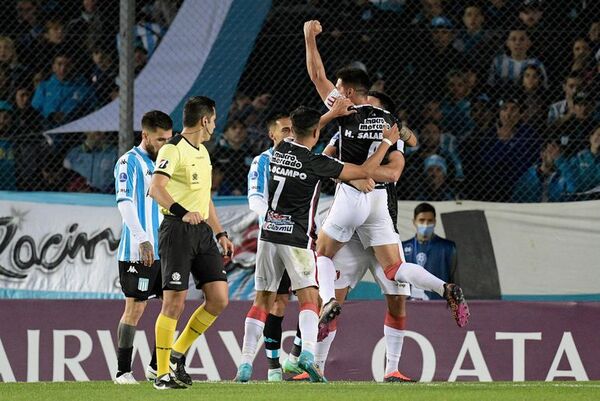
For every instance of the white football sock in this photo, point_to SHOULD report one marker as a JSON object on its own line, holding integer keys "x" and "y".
{"x": 326, "y": 276}
{"x": 418, "y": 276}
{"x": 253, "y": 329}
{"x": 322, "y": 350}
{"x": 308, "y": 321}
{"x": 394, "y": 339}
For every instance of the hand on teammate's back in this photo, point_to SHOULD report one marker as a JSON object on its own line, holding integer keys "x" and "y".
{"x": 392, "y": 133}
{"x": 192, "y": 218}
{"x": 312, "y": 28}
{"x": 365, "y": 186}
{"x": 341, "y": 107}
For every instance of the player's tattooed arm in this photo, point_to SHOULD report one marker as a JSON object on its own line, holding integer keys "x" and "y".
{"x": 147, "y": 253}
{"x": 314, "y": 64}
{"x": 391, "y": 171}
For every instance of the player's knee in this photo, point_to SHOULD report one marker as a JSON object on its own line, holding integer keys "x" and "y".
{"x": 279, "y": 306}
{"x": 216, "y": 305}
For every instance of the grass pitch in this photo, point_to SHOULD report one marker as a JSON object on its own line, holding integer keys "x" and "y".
{"x": 346, "y": 391}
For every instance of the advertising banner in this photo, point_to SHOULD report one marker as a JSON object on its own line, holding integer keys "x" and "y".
{"x": 51, "y": 340}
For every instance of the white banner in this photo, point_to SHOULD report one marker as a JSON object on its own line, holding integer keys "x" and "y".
{"x": 64, "y": 245}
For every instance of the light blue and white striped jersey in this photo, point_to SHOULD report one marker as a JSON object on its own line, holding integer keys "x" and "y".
{"x": 557, "y": 110}
{"x": 133, "y": 173}
{"x": 505, "y": 69}
{"x": 258, "y": 178}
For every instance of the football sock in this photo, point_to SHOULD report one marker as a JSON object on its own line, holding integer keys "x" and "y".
{"x": 326, "y": 275}
{"x": 309, "y": 321}
{"x": 199, "y": 322}
{"x": 322, "y": 349}
{"x": 272, "y": 338}
{"x": 415, "y": 275}
{"x": 164, "y": 331}
{"x": 253, "y": 328}
{"x": 393, "y": 331}
{"x": 297, "y": 348}
{"x": 125, "y": 335}
{"x": 153, "y": 359}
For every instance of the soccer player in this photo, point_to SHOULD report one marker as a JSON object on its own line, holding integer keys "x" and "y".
{"x": 181, "y": 185}
{"x": 280, "y": 127}
{"x": 288, "y": 233}
{"x": 139, "y": 265}
{"x": 353, "y": 210}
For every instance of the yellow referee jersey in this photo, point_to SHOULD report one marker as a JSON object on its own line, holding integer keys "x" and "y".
{"x": 190, "y": 171}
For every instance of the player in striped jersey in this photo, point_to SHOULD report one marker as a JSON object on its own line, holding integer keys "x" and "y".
{"x": 139, "y": 267}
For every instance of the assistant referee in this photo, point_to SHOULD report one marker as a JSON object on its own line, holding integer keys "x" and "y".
{"x": 181, "y": 185}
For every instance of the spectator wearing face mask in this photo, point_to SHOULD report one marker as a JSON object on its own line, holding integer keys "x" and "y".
{"x": 434, "y": 253}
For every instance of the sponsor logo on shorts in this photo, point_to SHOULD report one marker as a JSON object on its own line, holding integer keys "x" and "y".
{"x": 278, "y": 223}
{"x": 132, "y": 269}
{"x": 175, "y": 278}
{"x": 143, "y": 284}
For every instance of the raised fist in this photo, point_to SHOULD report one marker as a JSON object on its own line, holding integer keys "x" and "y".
{"x": 312, "y": 28}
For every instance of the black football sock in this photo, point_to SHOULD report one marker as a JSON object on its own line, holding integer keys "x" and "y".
{"x": 272, "y": 336}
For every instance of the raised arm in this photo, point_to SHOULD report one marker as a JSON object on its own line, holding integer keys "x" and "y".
{"x": 314, "y": 64}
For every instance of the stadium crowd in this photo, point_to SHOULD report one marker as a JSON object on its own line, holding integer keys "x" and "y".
{"x": 503, "y": 94}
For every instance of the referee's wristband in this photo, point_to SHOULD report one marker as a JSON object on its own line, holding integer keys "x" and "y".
{"x": 222, "y": 234}
{"x": 387, "y": 141}
{"x": 178, "y": 210}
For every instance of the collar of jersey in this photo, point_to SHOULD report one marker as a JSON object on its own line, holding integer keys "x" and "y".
{"x": 290, "y": 140}
{"x": 141, "y": 152}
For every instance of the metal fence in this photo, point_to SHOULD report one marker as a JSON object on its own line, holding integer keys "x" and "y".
{"x": 503, "y": 94}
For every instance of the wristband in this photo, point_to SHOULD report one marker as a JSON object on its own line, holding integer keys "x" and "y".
{"x": 178, "y": 210}
{"x": 222, "y": 234}
{"x": 387, "y": 141}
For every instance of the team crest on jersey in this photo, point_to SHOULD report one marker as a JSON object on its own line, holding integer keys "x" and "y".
{"x": 163, "y": 163}
{"x": 408, "y": 249}
{"x": 421, "y": 258}
{"x": 278, "y": 223}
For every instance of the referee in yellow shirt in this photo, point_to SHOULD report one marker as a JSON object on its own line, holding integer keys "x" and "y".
{"x": 181, "y": 186}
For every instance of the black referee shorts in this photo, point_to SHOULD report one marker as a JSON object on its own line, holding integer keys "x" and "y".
{"x": 185, "y": 248}
{"x": 139, "y": 281}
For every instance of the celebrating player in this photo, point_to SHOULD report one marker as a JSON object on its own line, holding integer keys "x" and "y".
{"x": 288, "y": 233}
{"x": 139, "y": 267}
{"x": 353, "y": 210}
{"x": 181, "y": 186}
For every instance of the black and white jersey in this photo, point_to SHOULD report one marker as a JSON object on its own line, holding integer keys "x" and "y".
{"x": 294, "y": 188}
{"x": 361, "y": 133}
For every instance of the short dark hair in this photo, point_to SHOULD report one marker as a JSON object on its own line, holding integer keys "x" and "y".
{"x": 573, "y": 75}
{"x": 232, "y": 123}
{"x": 354, "y": 77}
{"x": 304, "y": 120}
{"x": 197, "y": 107}
{"x": 386, "y": 101}
{"x": 272, "y": 119}
{"x": 423, "y": 208}
{"x": 155, "y": 119}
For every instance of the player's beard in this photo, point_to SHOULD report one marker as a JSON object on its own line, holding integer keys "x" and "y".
{"x": 151, "y": 151}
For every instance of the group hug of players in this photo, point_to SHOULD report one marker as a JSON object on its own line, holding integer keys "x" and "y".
{"x": 163, "y": 193}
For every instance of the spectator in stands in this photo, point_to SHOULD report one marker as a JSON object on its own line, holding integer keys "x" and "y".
{"x": 434, "y": 253}
{"x": 140, "y": 59}
{"x": 575, "y": 131}
{"x": 594, "y": 36}
{"x": 233, "y": 151}
{"x": 51, "y": 44}
{"x": 531, "y": 13}
{"x": 456, "y": 107}
{"x": 482, "y": 112}
{"x": 28, "y": 28}
{"x": 562, "y": 111}
{"x": 7, "y": 157}
{"x": 103, "y": 74}
{"x": 219, "y": 186}
{"x": 474, "y": 41}
{"x": 534, "y": 97}
{"x": 582, "y": 62}
{"x": 434, "y": 186}
{"x": 89, "y": 29}
{"x": 506, "y": 69}
{"x": 586, "y": 164}
{"x": 148, "y": 34}
{"x": 94, "y": 160}
{"x": 549, "y": 180}
{"x": 8, "y": 59}
{"x": 430, "y": 9}
{"x": 28, "y": 140}
{"x": 437, "y": 57}
{"x": 503, "y": 158}
{"x": 63, "y": 96}
{"x": 5, "y": 89}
